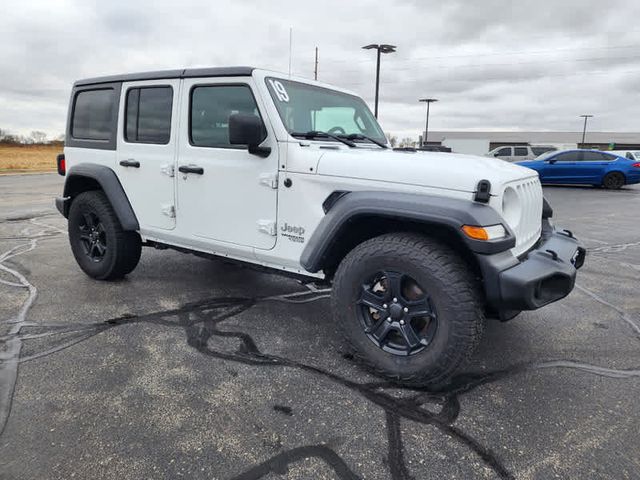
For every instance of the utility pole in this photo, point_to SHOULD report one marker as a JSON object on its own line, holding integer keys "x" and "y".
{"x": 428, "y": 101}
{"x": 382, "y": 48}
{"x": 315, "y": 71}
{"x": 584, "y": 129}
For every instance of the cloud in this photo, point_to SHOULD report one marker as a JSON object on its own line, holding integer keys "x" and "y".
{"x": 494, "y": 64}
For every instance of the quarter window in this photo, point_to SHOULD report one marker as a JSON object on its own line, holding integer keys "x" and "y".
{"x": 93, "y": 115}
{"x": 148, "y": 115}
{"x": 211, "y": 107}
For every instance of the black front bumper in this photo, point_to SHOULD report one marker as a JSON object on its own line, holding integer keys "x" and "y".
{"x": 543, "y": 275}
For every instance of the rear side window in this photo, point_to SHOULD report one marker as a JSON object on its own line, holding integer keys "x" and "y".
{"x": 521, "y": 151}
{"x": 148, "y": 115}
{"x": 93, "y": 114}
{"x": 540, "y": 150}
{"x": 211, "y": 107}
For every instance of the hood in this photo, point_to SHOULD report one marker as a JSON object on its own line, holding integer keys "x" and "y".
{"x": 429, "y": 169}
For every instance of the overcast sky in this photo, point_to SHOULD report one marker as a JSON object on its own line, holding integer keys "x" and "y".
{"x": 493, "y": 64}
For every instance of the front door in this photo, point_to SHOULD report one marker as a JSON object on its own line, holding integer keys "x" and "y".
{"x": 562, "y": 167}
{"x": 225, "y": 194}
{"x": 147, "y": 139}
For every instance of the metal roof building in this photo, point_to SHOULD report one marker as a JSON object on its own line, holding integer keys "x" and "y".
{"x": 481, "y": 142}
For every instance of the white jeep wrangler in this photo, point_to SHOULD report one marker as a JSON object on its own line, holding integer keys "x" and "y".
{"x": 296, "y": 177}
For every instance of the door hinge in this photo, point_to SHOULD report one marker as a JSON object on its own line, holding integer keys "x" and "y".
{"x": 267, "y": 226}
{"x": 169, "y": 211}
{"x": 269, "y": 179}
{"x": 168, "y": 170}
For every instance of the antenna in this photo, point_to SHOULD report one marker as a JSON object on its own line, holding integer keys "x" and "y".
{"x": 315, "y": 71}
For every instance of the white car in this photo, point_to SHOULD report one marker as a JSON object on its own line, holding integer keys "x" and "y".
{"x": 296, "y": 177}
{"x": 630, "y": 154}
{"x": 518, "y": 153}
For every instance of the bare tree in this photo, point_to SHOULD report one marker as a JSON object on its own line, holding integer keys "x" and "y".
{"x": 407, "y": 142}
{"x": 38, "y": 137}
{"x": 393, "y": 140}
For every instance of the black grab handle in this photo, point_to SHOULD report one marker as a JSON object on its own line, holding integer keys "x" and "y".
{"x": 190, "y": 169}
{"x": 130, "y": 163}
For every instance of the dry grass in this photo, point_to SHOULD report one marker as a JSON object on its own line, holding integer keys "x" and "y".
{"x": 28, "y": 158}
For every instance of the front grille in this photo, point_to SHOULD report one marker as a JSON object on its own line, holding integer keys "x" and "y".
{"x": 529, "y": 225}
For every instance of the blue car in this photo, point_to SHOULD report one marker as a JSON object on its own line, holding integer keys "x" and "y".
{"x": 590, "y": 167}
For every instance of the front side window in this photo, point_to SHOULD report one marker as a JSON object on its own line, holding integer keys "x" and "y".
{"x": 504, "y": 152}
{"x": 211, "y": 107}
{"x": 306, "y": 108}
{"x": 597, "y": 157}
{"x": 148, "y": 115}
{"x": 569, "y": 157}
{"x": 93, "y": 115}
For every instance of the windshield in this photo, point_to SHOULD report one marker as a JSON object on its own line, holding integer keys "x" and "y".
{"x": 305, "y": 108}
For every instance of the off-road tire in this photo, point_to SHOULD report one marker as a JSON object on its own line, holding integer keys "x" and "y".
{"x": 451, "y": 286}
{"x": 613, "y": 181}
{"x": 122, "y": 249}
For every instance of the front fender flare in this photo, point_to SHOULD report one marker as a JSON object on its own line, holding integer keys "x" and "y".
{"x": 452, "y": 213}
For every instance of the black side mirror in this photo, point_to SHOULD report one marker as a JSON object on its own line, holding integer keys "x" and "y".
{"x": 247, "y": 129}
{"x": 552, "y": 161}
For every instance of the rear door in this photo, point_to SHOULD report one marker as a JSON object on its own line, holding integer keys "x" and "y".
{"x": 520, "y": 154}
{"x": 146, "y": 154}
{"x": 594, "y": 165}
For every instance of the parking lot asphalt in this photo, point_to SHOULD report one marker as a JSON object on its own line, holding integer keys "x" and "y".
{"x": 192, "y": 368}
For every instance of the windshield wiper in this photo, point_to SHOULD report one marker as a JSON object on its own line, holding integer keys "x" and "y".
{"x": 311, "y": 134}
{"x": 359, "y": 136}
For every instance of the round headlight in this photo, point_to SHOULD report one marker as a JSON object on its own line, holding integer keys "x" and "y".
{"x": 511, "y": 208}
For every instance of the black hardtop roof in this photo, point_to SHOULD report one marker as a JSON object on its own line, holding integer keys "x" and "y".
{"x": 165, "y": 74}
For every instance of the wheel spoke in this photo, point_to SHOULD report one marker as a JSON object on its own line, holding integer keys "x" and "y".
{"x": 373, "y": 328}
{"x": 394, "y": 284}
{"x": 381, "y": 331}
{"x": 101, "y": 248}
{"x": 410, "y": 337}
{"x": 419, "y": 308}
{"x": 85, "y": 237}
{"x": 88, "y": 220}
{"x": 370, "y": 299}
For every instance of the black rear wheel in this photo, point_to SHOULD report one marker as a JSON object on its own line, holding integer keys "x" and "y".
{"x": 613, "y": 180}
{"x": 409, "y": 308}
{"x": 102, "y": 249}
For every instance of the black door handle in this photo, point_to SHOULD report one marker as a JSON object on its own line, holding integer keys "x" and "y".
{"x": 130, "y": 163}
{"x": 191, "y": 169}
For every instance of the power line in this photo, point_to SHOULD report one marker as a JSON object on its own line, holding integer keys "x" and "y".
{"x": 532, "y": 62}
{"x": 524, "y": 77}
{"x": 493, "y": 54}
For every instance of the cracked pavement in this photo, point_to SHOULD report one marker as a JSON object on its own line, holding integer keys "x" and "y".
{"x": 199, "y": 369}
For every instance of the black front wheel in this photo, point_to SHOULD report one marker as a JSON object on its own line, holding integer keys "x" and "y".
{"x": 102, "y": 249}
{"x": 408, "y": 306}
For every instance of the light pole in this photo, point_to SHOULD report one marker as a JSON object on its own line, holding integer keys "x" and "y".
{"x": 382, "y": 48}
{"x": 584, "y": 130}
{"x": 428, "y": 101}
